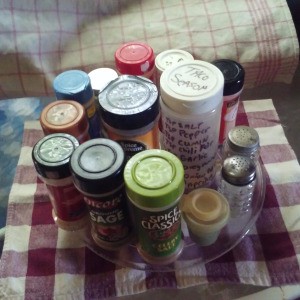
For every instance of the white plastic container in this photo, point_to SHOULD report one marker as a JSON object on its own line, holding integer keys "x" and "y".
{"x": 167, "y": 59}
{"x": 191, "y": 101}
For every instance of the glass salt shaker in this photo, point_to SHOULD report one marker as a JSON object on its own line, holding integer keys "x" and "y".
{"x": 242, "y": 140}
{"x": 237, "y": 183}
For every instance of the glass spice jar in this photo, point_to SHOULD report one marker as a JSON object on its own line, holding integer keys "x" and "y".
{"x": 242, "y": 140}
{"x": 237, "y": 183}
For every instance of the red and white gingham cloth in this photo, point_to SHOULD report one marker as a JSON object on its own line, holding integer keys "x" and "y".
{"x": 40, "y": 261}
{"x": 40, "y": 39}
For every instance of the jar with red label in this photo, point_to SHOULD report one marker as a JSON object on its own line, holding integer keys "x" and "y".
{"x": 97, "y": 168}
{"x": 51, "y": 156}
{"x": 129, "y": 109}
{"x": 65, "y": 116}
{"x": 234, "y": 75}
{"x": 135, "y": 58}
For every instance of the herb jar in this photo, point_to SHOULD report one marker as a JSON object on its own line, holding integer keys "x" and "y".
{"x": 51, "y": 157}
{"x": 76, "y": 85}
{"x": 65, "y": 116}
{"x": 97, "y": 169}
{"x": 242, "y": 140}
{"x": 129, "y": 109}
{"x": 237, "y": 183}
{"x": 154, "y": 181}
{"x": 191, "y": 102}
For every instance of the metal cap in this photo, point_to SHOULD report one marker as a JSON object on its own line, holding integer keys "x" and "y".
{"x": 238, "y": 170}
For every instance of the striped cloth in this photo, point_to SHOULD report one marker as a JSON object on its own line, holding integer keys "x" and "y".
{"x": 40, "y": 261}
{"x": 40, "y": 39}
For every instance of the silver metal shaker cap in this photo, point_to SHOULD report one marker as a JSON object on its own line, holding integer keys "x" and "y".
{"x": 238, "y": 170}
{"x": 243, "y": 139}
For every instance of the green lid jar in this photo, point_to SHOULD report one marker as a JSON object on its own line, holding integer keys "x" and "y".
{"x": 154, "y": 181}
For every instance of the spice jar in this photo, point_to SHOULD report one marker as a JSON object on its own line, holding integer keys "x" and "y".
{"x": 242, "y": 140}
{"x": 191, "y": 101}
{"x": 206, "y": 212}
{"x": 51, "y": 156}
{"x": 65, "y": 116}
{"x": 167, "y": 59}
{"x": 76, "y": 85}
{"x": 135, "y": 58}
{"x": 154, "y": 181}
{"x": 237, "y": 183}
{"x": 97, "y": 168}
{"x": 129, "y": 110}
{"x": 234, "y": 75}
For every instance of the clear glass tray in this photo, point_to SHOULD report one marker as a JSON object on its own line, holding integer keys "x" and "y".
{"x": 192, "y": 253}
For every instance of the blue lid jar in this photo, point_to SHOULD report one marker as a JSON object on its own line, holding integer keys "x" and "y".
{"x": 73, "y": 85}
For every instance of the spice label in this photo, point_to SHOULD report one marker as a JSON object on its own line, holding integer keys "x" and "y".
{"x": 109, "y": 217}
{"x": 159, "y": 233}
{"x": 67, "y": 202}
{"x": 195, "y": 144}
{"x": 131, "y": 147}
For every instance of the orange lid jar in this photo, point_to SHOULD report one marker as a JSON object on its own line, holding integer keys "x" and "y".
{"x": 65, "y": 116}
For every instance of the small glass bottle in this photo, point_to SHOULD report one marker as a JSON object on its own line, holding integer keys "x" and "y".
{"x": 135, "y": 58}
{"x": 237, "y": 183}
{"x": 51, "y": 156}
{"x": 76, "y": 85}
{"x": 242, "y": 140}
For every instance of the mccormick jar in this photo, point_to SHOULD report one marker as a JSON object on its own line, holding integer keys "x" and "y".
{"x": 234, "y": 75}
{"x": 51, "y": 156}
{"x": 237, "y": 183}
{"x": 242, "y": 140}
{"x": 191, "y": 101}
{"x": 135, "y": 58}
{"x": 129, "y": 110}
{"x": 65, "y": 116}
{"x": 167, "y": 59}
{"x": 97, "y": 168}
{"x": 154, "y": 182}
{"x": 76, "y": 85}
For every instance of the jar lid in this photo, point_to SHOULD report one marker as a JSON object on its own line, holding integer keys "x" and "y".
{"x": 243, "y": 139}
{"x": 51, "y": 155}
{"x": 101, "y": 77}
{"x": 238, "y": 170}
{"x": 73, "y": 85}
{"x": 97, "y": 166}
{"x": 234, "y": 75}
{"x": 65, "y": 116}
{"x": 154, "y": 178}
{"x": 134, "y": 58}
{"x": 168, "y": 58}
{"x": 192, "y": 87}
{"x": 129, "y": 102}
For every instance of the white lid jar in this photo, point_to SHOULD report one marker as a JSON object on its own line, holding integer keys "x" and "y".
{"x": 191, "y": 100}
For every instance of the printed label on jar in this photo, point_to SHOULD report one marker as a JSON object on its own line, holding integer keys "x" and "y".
{"x": 195, "y": 144}
{"x": 228, "y": 118}
{"x": 131, "y": 147}
{"x": 109, "y": 217}
{"x": 67, "y": 202}
{"x": 159, "y": 233}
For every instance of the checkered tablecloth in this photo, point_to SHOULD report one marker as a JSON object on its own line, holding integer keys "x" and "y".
{"x": 40, "y": 39}
{"x": 40, "y": 261}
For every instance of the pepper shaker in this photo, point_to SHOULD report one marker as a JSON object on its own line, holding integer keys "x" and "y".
{"x": 242, "y": 140}
{"x": 237, "y": 184}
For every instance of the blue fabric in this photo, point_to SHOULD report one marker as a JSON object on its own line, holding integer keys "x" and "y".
{"x": 13, "y": 113}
